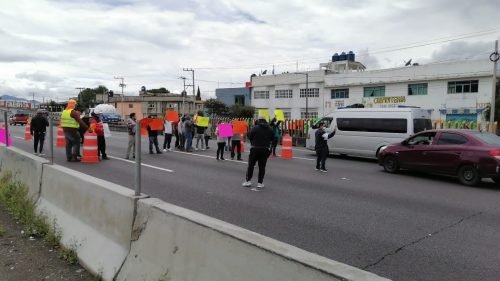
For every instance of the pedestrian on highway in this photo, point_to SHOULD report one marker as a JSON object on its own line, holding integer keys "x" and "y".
{"x": 277, "y": 134}
{"x": 71, "y": 123}
{"x": 38, "y": 128}
{"x": 199, "y": 136}
{"x": 181, "y": 133}
{"x": 236, "y": 144}
{"x": 86, "y": 120}
{"x": 321, "y": 146}
{"x": 98, "y": 128}
{"x": 188, "y": 133}
{"x": 221, "y": 142}
{"x": 261, "y": 137}
{"x": 153, "y": 138}
{"x": 131, "y": 130}
{"x": 207, "y": 135}
{"x": 168, "y": 130}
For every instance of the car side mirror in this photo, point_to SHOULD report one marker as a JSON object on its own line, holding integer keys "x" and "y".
{"x": 405, "y": 142}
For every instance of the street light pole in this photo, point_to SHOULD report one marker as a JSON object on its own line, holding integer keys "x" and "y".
{"x": 494, "y": 58}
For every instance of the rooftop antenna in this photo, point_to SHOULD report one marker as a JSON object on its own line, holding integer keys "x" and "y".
{"x": 408, "y": 63}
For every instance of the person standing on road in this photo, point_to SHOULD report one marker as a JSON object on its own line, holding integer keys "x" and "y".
{"x": 221, "y": 142}
{"x": 199, "y": 136}
{"x": 153, "y": 139}
{"x": 71, "y": 123}
{"x": 321, "y": 146}
{"x": 131, "y": 130}
{"x": 261, "y": 137}
{"x": 168, "y": 135}
{"x": 236, "y": 144}
{"x": 276, "y": 131}
{"x": 188, "y": 133}
{"x": 180, "y": 131}
{"x": 38, "y": 128}
{"x": 207, "y": 135}
{"x": 98, "y": 127}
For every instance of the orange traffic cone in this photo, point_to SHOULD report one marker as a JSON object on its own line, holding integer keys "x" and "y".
{"x": 61, "y": 139}
{"x": 286, "y": 147}
{"x": 242, "y": 139}
{"x": 27, "y": 133}
{"x": 90, "y": 148}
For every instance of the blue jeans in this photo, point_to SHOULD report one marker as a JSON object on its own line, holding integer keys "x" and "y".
{"x": 189, "y": 140}
{"x": 153, "y": 140}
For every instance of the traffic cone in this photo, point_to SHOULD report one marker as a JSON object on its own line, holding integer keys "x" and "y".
{"x": 27, "y": 133}
{"x": 286, "y": 147}
{"x": 61, "y": 139}
{"x": 242, "y": 139}
{"x": 90, "y": 154}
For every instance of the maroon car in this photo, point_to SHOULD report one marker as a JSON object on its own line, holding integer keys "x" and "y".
{"x": 469, "y": 155}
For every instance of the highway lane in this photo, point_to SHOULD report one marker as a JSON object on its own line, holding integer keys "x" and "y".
{"x": 405, "y": 227}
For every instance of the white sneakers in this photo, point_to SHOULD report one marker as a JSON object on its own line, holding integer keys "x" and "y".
{"x": 164, "y": 150}
{"x": 247, "y": 183}
{"x": 259, "y": 186}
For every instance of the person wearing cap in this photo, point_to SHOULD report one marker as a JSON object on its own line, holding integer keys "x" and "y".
{"x": 38, "y": 128}
{"x": 71, "y": 123}
{"x": 131, "y": 130}
{"x": 98, "y": 127}
{"x": 321, "y": 146}
{"x": 261, "y": 137}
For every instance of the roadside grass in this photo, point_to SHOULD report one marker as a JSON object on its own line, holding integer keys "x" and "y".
{"x": 14, "y": 196}
{"x": 2, "y": 231}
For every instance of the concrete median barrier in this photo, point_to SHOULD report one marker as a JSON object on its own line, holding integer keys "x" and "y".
{"x": 24, "y": 167}
{"x": 94, "y": 217}
{"x": 173, "y": 243}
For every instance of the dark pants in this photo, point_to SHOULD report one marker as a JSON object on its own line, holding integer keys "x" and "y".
{"x": 167, "y": 140}
{"x": 101, "y": 147}
{"x": 220, "y": 149}
{"x": 153, "y": 140}
{"x": 236, "y": 144}
{"x": 206, "y": 141}
{"x": 189, "y": 140}
{"x": 274, "y": 145}
{"x": 181, "y": 142}
{"x": 38, "y": 138}
{"x": 321, "y": 154}
{"x": 257, "y": 155}
{"x": 72, "y": 143}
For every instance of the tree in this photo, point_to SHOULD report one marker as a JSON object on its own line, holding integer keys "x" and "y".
{"x": 241, "y": 111}
{"x": 161, "y": 90}
{"x": 87, "y": 97}
{"x": 216, "y": 107}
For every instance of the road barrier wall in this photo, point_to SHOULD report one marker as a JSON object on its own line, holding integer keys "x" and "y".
{"x": 173, "y": 243}
{"x": 94, "y": 217}
{"x": 123, "y": 237}
{"x": 24, "y": 167}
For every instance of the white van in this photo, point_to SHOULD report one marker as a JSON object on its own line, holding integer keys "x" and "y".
{"x": 363, "y": 132}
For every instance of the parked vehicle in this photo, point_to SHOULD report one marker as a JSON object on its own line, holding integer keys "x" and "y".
{"x": 19, "y": 118}
{"x": 468, "y": 155}
{"x": 111, "y": 117}
{"x": 363, "y": 132}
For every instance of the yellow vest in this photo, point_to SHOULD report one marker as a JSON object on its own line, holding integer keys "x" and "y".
{"x": 67, "y": 121}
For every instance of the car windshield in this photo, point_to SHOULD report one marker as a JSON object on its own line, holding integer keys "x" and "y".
{"x": 488, "y": 138}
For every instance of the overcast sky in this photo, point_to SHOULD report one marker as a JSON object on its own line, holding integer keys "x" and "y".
{"x": 52, "y": 47}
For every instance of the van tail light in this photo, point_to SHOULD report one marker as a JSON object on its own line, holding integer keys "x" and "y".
{"x": 495, "y": 153}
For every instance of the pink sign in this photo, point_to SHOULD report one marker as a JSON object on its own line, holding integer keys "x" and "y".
{"x": 225, "y": 130}
{"x": 2, "y": 137}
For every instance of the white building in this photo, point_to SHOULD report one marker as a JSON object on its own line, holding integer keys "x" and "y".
{"x": 458, "y": 90}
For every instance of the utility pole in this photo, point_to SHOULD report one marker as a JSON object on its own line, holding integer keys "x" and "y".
{"x": 494, "y": 58}
{"x": 183, "y": 94}
{"x": 79, "y": 93}
{"x": 122, "y": 85}
{"x": 192, "y": 73}
{"x": 33, "y": 93}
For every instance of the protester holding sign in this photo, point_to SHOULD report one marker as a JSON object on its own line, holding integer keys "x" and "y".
{"x": 222, "y": 131}
{"x": 168, "y": 135}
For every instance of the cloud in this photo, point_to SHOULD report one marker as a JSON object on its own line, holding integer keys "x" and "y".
{"x": 463, "y": 50}
{"x": 39, "y": 76}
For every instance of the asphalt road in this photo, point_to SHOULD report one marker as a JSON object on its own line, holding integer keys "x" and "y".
{"x": 407, "y": 226}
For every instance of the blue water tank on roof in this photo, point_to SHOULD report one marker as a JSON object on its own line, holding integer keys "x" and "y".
{"x": 342, "y": 56}
{"x": 351, "y": 56}
{"x": 335, "y": 57}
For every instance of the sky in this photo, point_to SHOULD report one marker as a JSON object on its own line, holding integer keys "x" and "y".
{"x": 52, "y": 47}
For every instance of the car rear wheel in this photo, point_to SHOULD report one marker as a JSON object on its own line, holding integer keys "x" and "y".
{"x": 391, "y": 164}
{"x": 468, "y": 175}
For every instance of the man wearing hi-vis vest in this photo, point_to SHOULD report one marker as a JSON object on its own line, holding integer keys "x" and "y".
{"x": 71, "y": 123}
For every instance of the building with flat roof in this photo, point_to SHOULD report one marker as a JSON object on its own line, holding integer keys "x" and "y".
{"x": 232, "y": 96}
{"x": 459, "y": 90}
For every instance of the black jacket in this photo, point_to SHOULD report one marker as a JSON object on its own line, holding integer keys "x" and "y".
{"x": 38, "y": 124}
{"x": 321, "y": 143}
{"x": 261, "y": 135}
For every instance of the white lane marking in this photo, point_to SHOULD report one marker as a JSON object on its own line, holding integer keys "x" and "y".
{"x": 308, "y": 159}
{"x": 18, "y": 138}
{"x": 142, "y": 164}
{"x": 207, "y": 156}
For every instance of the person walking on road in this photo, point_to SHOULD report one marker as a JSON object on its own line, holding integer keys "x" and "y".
{"x": 98, "y": 127}
{"x": 261, "y": 137}
{"x": 71, "y": 123}
{"x": 221, "y": 142}
{"x": 321, "y": 146}
{"x": 153, "y": 139}
{"x": 168, "y": 135}
{"x": 38, "y": 128}
{"x": 131, "y": 130}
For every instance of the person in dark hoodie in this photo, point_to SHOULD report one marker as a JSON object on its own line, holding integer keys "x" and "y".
{"x": 38, "y": 128}
{"x": 321, "y": 146}
{"x": 261, "y": 137}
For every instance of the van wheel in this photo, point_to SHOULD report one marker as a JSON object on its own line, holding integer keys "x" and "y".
{"x": 496, "y": 180}
{"x": 468, "y": 175}
{"x": 391, "y": 164}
